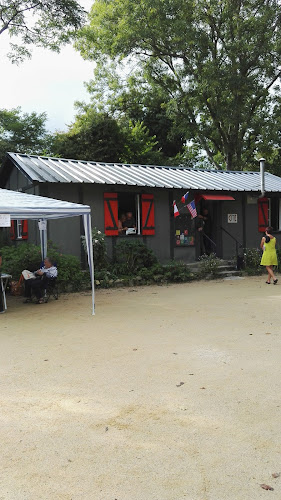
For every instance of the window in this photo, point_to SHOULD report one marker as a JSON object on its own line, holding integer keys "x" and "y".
{"x": 269, "y": 214}
{"x": 274, "y": 213}
{"x": 19, "y": 229}
{"x": 132, "y": 210}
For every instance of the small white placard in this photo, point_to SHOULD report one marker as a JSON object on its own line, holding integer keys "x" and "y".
{"x": 5, "y": 220}
{"x": 232, "y": 218}
{"x": 252, "y": 200}
{"x": 42, "y": 224}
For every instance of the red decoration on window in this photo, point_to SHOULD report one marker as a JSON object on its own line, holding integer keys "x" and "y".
{"x": 12, "y": 230}
{"x": 24, "y": 229}
{"x": 111, "y": 214}
{"x": 263, "y": 207}
{"x": 147, "y": 214}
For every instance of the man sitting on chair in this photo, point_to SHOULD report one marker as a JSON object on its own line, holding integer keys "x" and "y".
{"x": 37, "y": 286}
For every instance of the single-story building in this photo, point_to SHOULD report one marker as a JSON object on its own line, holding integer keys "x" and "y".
{"x": 237, "y": 209}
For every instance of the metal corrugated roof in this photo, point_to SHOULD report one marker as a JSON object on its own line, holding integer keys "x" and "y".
{"x": 45, "y": 169}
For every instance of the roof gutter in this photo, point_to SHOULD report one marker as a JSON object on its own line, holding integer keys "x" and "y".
{"x": 262, "y": 180}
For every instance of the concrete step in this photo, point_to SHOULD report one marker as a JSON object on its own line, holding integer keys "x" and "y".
{"x": 229, "y": 272}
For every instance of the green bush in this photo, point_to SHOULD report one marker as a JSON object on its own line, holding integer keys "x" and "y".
{"x": 70, "y": 276}
{"x": 99, "y": 248}
{"x": 133, "y": 255}
{"x": 177, "y": 272}
{"x": 252, "y": 258}
{"x": 17, "y": 258}
{"x": 209, "y": 265}
{"x": 278, "y": 251}
{"x": 28, "y": 256}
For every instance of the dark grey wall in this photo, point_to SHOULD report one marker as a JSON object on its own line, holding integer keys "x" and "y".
{"x": 66, "y": 233}
{"x": 234, "y": 229}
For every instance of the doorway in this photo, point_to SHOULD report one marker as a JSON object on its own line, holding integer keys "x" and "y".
{"x": 209, "y": 238}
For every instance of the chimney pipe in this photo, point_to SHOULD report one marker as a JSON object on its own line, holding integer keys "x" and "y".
{"x": 262, "y": 163}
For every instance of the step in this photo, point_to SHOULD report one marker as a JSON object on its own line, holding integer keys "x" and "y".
{"x": 229, "y": 273}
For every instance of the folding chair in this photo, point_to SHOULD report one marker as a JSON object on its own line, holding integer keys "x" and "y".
{"x": 51, "y": 290}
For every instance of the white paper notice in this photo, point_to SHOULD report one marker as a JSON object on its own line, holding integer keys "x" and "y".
{"x": 5, "y": 220}
{"x": 42, "y": 224}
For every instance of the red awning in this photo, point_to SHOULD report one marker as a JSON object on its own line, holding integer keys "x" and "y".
{"x": 216, "y": 197}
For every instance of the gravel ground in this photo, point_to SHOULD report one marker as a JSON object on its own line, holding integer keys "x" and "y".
{"x": 168, "y": 393}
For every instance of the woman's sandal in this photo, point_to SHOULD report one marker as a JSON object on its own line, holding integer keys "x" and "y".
{"x": 275, "y": 281}
{"x": 268, "y": 283}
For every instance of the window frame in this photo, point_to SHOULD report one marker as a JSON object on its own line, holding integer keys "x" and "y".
{"x": 112, "y": 213}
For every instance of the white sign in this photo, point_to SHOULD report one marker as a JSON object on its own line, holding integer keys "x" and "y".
{"x": 232, "y": 218}
{"x": 5, "y": 220}
{"x": 42, "y": 224}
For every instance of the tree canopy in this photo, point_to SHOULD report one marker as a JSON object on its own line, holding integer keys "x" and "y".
{"x": 217, "y": 62}
{"x": 97, "y": 136}
{"x": 22, "y": 132}
{"x": 45, "y": 23}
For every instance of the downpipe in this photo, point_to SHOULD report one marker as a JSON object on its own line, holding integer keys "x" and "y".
{"x": 262, "y": 180}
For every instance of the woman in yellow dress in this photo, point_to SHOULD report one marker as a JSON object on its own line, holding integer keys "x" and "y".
{"x": 269, "y": 256}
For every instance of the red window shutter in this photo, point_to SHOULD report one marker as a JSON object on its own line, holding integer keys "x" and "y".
{"x": 147, "y": 214}
{"x": 12, "y": 230}
{"x": 263, "y": 206}
{"x": 111, "y": 214}
{"x": 24, "y": 229}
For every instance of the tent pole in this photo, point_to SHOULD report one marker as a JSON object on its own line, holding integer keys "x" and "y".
{"x": 89, "y": 244}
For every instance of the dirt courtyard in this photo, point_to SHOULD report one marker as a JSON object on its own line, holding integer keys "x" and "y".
{"x": 168, "y": 393}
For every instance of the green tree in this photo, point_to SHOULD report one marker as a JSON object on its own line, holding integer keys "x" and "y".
{"x": 131, "y": 97}
{"x": 23, "y": 132}
{"x": 96, "y": 136}
{"x": 218, "y": 61}
{"x": 45, "y": 23}
{"x": 93, "y": 136}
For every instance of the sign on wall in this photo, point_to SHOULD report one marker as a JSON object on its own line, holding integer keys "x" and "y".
{"x": 5, "y": 220}
{"x": 232, "y": 218}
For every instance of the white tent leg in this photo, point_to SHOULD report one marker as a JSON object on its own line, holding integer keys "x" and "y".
{"x": 88, "y": 236}
{"x": 43, "y": 237}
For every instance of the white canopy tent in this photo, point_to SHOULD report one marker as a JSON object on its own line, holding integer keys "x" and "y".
{"x": 28, "y": 206}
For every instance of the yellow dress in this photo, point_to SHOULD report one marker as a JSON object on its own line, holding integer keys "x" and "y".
{"x": 269, "y": 256}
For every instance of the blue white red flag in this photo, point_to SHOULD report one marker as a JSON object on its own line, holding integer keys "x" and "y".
{"x": 184, "y": 197}
{"x": 176, "y": 212}
{"x": 191, "y": 207}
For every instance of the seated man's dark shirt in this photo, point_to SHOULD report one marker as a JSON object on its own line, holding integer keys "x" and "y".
{"x": 129, "y": 222}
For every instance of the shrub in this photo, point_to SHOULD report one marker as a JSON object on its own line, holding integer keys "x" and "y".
{"x": 177, "y": 272}
{"x": 132, "y": 255}
{"x": 105, "y": 278}
{"x": 99, "y": 247}
{"x": 28, "y": 256}
{"x": 17, "y": 258}
{"x": 209, "y": 265}
{"x": 278, "y": 251}
{"x": 252, "y": 258}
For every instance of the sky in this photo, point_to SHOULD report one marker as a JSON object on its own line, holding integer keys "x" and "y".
{"x": 48, "y": 82}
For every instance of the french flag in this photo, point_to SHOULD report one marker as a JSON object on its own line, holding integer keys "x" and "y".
{"x": 184, "y": 197}
{"x": 176, "y": 212}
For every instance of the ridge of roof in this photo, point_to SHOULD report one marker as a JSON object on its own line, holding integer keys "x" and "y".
{"x": 104, "y": 163}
